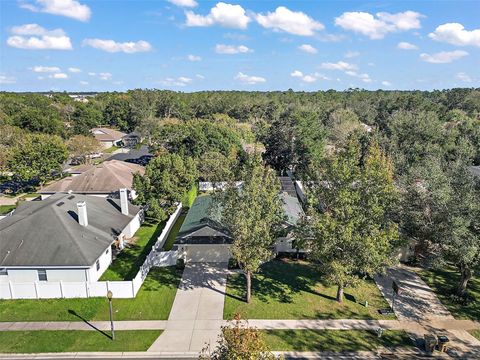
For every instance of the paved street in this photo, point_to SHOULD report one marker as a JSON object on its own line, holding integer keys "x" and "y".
{"x": 197, "y": 312}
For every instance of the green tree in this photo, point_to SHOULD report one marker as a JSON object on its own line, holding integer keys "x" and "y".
{"x": 117, "y": 113}
{"x": 85, "y": 117}
{"x": 254, "y": 216}
{"x": 37, "y": 157}
{"x": 166, "y": 180}
{"x": 81, "y": 146}
{"x": 349, "y": 228}
{"x": 238, "y": 341}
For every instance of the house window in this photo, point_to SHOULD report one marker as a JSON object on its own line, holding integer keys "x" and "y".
{"x": 42, "y": 275}
{"x": 98, "y": 264}
{"x": 3, "y": 271}
{"x": 106, "y": 251}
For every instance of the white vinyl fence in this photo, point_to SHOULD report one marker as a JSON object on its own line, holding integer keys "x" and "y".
{"x": 83, "y": 289}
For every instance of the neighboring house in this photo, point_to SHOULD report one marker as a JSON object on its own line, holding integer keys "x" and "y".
{"x": 66, "y": 237}
{"x": 78, "y": 169}
{"x": 108, "y": 137}
{"x": 103, "y": 180}
{"x": 202, "y": 238}
{"x": 132, "y": 139}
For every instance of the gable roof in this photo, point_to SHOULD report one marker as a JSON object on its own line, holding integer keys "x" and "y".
{"x": 105, "y": 178}
{"x": 200, "y": 226}
{"x": 47, "y": 232}
{"x": 107, "y": 134}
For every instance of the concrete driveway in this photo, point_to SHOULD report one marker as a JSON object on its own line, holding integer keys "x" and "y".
{"x": 197, "y": 312}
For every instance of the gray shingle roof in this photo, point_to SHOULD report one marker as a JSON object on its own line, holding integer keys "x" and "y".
{"x": 47, "y": 232}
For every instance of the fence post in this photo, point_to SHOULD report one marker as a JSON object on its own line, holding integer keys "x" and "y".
{"x": 61, "y": 289}
{"x": 133, "y": 288}
{"x": 87, "y": 289}
{"x": 10, "y": 287}
{"x": 35, "y": 285}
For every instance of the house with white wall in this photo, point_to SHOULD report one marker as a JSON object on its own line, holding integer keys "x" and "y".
{"x": 108, "y": 137}
{"x": 102, "y": 180}
{"x": 66, "y": 237}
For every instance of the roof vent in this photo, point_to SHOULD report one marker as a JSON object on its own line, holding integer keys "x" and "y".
{"x": 60, "y": 203}
{"x": 71, "y": 197}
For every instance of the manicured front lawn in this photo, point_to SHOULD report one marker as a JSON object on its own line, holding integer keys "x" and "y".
{"x": 128, "y": 261}
{"x": 333, "y": 340}
{"x": 286, "y": 289}
{"x": 443, "y": 282}
{"x": 73, "y": 341}
{"x": 153, "y": 302}
{"x": 5, "y": 209}
{"x": 174, "y": 232}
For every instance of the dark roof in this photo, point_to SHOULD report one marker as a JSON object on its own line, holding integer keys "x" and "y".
{"x": 201, "y": 227}
{"x": 47, "y": 232}
{"x": 104, "y": 178}
{"x": 291, "y": 206}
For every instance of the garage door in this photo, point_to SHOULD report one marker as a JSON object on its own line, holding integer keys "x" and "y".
{"x": 207, "y": 253}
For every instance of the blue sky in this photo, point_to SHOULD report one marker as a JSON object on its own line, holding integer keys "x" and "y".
{"x": 190, "y": 45}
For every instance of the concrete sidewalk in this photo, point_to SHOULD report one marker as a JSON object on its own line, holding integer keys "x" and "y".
{"x": 197, "y": 312}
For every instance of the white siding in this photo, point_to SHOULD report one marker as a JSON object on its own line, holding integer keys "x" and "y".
{"x": 22, "y": 275}
{"x": 105, "y": 261}
{"x": 132, "y": 227}
{"x": 67, "y": 274}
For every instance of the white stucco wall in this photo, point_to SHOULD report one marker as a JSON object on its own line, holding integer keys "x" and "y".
{"x": 31, "y": 275}
{"x": 132, "y": 227}
{"x": 105, "y": 260}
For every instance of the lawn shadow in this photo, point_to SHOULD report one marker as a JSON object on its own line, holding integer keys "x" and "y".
{"x": 74, "y": 313}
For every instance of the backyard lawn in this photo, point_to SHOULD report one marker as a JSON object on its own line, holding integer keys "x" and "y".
{"x": 128, "y": 261}
{"x": 286, "y": 289}
{"x": 443, "y": 282}
{"x": 73, "y": 341}
{"x": 174, "y": 232}
{"x": 333, "y": 340}
{"x": 153, "y": 302}
{"x": 5, "y": 209}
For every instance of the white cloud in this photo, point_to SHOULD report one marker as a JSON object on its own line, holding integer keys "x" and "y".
{"x": 194, "y": 58}
{"x": 308, "y": 49}
{"x": 184, "y": 3}
{"x": 377, "y": 27}
{"x": 92, "y": 74}
{"x": 296, "y": 73}
{"x": 199, "y": 76}
{"x": 464, "y": 77}
{"x": 386, "y": 83}
{"x": 83, "y": 82}
{"x": 4, "y": 79}
{"x": 455, "y": 33}
{"x": 105, "y": 76}
{"x": 74, "y": 70}
{"x": 231, "y": 49}
{"x": 340, "y": 65}
{"x": 248, "y": 79}
{"x": 113, "y": 46}
{"x": 58, "y": 76}
{"x": 351, "y": 54}
{"x": 180, "y": 81}
{"x": 35, "y": 37}
{"x": 362, "y": 76}
{"x": 226, "y": 15}
{"x": 443, "y": 57}
{"x": 406, "y": 46}
{"x": 292, "y": 22}
{"x": 68, "y": 8}
{"x": 45, "y": 69}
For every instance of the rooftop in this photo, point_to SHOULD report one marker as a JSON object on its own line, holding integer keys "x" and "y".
{"x": 107, "y": 134}
{"x": 47, "y": 232}
{"x": 104, "y": 178}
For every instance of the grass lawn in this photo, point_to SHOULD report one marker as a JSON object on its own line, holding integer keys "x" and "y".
{"x": 5, "y": 209}
{"x": 73, "y": 341}
{"x": 110, "y": 149}
{"x": 443, "y": 282}
{"x": 174, "y": 232}
{"x": 286, "y": 289}
{"x": 153, "y": 302}
{"x": 333, "y": 340}
{"x": 476, "y": 333}
{"x": 190, "y": 196}
{"x": 128, "y": 261}
{"x": 30, "y": 195}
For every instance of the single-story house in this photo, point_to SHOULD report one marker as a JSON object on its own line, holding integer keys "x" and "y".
{"x": 102, "y": 180}
{"x": 67, "y": 237}
{"x": 202, "y": 238}
{"x": 108, "y": 137}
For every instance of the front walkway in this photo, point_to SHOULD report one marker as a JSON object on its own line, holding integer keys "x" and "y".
{"x": 197, "y": 313}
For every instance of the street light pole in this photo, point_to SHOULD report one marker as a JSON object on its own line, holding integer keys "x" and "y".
{"x": 110, "y": 296}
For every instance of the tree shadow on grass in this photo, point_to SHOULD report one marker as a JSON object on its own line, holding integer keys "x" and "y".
{"x": 158, "y": 278}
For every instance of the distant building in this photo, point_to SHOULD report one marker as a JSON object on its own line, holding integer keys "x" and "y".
{"x": 102, "y": 180}
{"x": 108, "y": 137}
{"x": 65, "y": 237}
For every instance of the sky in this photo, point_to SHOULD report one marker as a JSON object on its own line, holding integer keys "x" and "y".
{"x": 192, "y": 45}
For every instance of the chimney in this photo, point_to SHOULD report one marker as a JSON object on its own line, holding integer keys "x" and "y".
{"x": 124, "y": 201}
{"x": 82, "y": 213}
